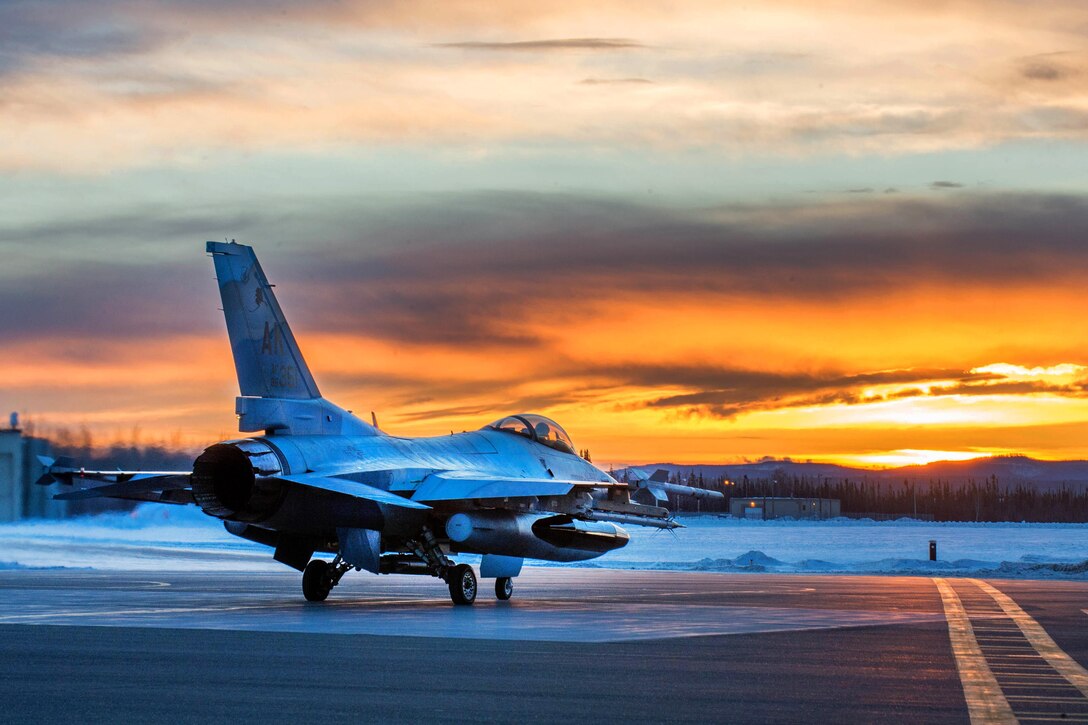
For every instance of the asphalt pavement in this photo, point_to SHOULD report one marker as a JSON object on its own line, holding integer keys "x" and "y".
{"x": 96, "y": 646}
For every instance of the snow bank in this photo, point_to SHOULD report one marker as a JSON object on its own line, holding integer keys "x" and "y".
{"x": 150, "y": 537}
{"x": 862, "y": 547}
{"x": 156, "y": 536}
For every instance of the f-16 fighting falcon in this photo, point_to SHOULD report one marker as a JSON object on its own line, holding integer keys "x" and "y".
{"x": 313, "y": 478}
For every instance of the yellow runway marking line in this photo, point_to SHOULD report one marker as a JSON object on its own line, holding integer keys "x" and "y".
{"x": 1068, "y": 667}
{"x": 1032, "y": 675}
{"x": 985, "y": 701}
{"x": 1054, "y": 715}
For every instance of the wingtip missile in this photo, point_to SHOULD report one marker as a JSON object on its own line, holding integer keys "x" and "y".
{"x": 56, "y": 470}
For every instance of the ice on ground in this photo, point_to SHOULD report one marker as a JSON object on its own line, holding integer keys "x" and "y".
{"x": 710, "y": 543}
{"x": 156, "y": 537}
{"x": 150, "y": 537}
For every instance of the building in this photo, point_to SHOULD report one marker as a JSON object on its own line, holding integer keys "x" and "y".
{"x": 20, "y": 498}
{"x": 777, "y": 507}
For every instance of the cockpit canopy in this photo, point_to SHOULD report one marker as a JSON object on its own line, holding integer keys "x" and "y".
{"x": 537, "y": 428}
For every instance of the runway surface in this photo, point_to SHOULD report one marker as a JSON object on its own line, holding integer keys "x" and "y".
{"x": 600, "y": 644}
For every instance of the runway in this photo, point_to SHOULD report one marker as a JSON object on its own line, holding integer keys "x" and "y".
{"x": 601, "y": 644}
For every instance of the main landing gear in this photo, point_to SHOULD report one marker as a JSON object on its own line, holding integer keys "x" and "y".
{"x": 464, "y": 587}
{"x": 320, "y": 577}
{"x": 462, "y": 581}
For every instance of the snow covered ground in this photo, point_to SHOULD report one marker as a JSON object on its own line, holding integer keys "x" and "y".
{"x": 862, "y": 547}
{"x": 156, "y": 537}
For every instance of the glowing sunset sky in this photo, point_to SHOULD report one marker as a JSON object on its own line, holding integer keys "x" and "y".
{"x": 699, "y": 232}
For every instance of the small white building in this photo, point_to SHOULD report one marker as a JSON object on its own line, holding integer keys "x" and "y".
{"x": 777, "y": 507}
{"x": 20, "y": 498}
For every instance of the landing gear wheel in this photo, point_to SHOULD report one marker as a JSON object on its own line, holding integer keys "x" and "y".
{"x": 462, "y": 581}
{"x": 504, "y": 587}
{"x": 316, "y": 581}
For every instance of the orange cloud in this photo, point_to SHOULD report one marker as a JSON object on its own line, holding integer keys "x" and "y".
{"x": 793, "y": 78}
{"x": 849, "y": 332}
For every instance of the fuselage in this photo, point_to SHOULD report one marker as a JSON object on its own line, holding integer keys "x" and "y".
{"x": 399, "y": 464}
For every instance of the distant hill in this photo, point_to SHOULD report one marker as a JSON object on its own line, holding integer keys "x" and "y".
{"x": 1009, "y": 470}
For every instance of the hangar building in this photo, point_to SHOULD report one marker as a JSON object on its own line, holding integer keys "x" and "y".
{"x": 777, "y": 507}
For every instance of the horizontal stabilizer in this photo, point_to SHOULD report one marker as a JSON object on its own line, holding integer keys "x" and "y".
{"x": 353, "y": 489}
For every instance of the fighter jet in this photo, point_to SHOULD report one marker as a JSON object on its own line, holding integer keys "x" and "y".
{"x": 314, "y": 479}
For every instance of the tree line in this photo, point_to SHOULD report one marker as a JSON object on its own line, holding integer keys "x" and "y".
{"x": 987, "y": 500}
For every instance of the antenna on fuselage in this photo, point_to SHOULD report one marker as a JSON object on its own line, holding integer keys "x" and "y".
{"x": 374, "y": 419}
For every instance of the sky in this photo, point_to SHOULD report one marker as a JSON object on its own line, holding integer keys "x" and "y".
{"x": 696, "y": 232}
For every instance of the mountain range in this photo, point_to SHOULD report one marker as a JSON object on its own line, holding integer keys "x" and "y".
{"x": 1007, "y": 470}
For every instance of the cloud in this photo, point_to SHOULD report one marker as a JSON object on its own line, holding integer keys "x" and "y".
{"x": 92, "y": 87}
{"x": 727, "y": 393}
{"x": 940, "y": 185}
{"x": 514, "y": 269}
{"x": 1039, "y": 71}
{"x": 33, "y": 31}
{"x": 614, "y": 81}
{"x": 548, "y": 45}
{"x": 109, "y": 302}
{"x": 1050, "y": 67}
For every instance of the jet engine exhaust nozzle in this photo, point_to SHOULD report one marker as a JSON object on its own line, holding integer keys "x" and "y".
{"x": 230, "y": 481}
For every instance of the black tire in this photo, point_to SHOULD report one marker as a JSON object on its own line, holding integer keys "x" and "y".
{"x": 316, "y": 584}
{"x": 504, "y": 588}
{"x": 462, "y": 583}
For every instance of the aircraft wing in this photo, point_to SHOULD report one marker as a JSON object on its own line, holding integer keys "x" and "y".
{"x": 174, "y": 486}
{"x": 353, "y": 489}
{"x": 159, "y": 487}
{"x": 453, "y": 486}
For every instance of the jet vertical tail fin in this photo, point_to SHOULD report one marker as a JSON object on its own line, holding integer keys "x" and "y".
{"x": 278, "y": 392}
{"x": 266, "y": 356}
